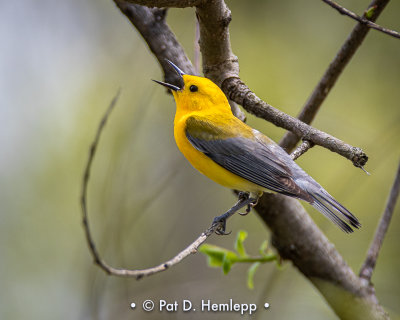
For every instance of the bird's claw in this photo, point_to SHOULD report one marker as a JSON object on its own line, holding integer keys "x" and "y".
{"x": 220, "y": 230}
{"x": 249, "y": 207}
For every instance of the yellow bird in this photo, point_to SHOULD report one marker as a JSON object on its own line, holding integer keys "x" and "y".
{"x": 237, "y": 156}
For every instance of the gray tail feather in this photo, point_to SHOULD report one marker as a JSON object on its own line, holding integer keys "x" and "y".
{"x": 332, "y": 209}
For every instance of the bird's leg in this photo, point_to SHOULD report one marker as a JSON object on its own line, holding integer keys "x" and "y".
{"x": 251, "y": 204}
{"x": 244, "y": 195}
{"x": 243, "y": 200}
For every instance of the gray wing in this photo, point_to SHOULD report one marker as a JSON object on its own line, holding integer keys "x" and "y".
{"x": 250, "y": 159}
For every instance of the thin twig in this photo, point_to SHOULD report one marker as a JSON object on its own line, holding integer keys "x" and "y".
{"x": 86, "y": 177}
{"x": 332, "y": 73}
{"x": 301, "y": 149}
{"x": 192, "y": 248}
{"x": 373, "y": 252}
{"x": 362, "y": 20}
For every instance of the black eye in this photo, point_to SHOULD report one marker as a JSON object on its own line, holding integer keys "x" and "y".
{"x": 193, "y": 88}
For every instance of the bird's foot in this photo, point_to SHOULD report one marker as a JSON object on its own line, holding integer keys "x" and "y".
{"x": 250, "y": 206}
{"x": 244, "y": 199}
{"x": 221, "y": 221}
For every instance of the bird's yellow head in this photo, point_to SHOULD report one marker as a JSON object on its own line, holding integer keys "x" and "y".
{"x": 197, "y": 94}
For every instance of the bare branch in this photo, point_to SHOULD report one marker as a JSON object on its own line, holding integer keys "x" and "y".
{"x": 138, "y": 274}
{"x": 236, "y": 90}
{"x": 363, "y": 19}
{"x": 219, "y": 62}
{"x": 373, "y": 252}
{"x": 335, "y": 69}
{"x": 301, "y": 149}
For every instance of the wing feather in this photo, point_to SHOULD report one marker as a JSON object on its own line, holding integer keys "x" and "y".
{"x": 247, "y": 157}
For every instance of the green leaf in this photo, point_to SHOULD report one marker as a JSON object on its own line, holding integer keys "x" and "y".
{"x": 227, "y": 264}
{"x": 241, "y": 236}
{"x": 221, "y": 257}
{"x": 250, "y": 274}
{"x": 218, "y": 257}
{"x": 215, "y": 254}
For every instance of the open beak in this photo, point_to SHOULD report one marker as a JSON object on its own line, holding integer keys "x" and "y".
{"x": 178, "y": 71}
{"x": 168, "y": 85}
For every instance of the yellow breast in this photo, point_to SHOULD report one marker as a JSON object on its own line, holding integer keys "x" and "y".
{"x": 204, "y": 164}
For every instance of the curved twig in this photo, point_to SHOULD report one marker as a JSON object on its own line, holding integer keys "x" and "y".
{"x": 86, "y": 177}
{"x": 138, "y": 274}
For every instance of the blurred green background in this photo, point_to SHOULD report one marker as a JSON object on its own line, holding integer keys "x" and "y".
{"x": 61, "y": 62}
